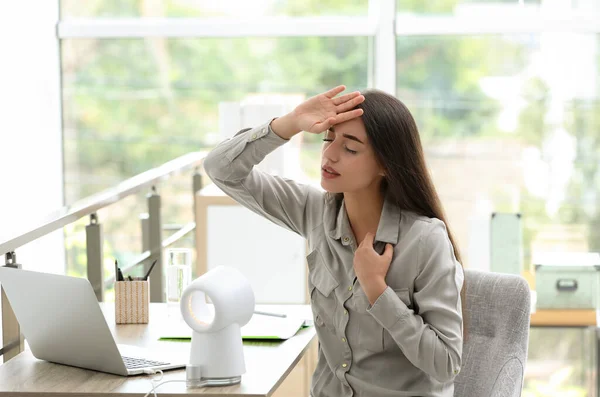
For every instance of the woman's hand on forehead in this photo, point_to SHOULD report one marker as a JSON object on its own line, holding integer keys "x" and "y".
{"x": 319, "y": 113}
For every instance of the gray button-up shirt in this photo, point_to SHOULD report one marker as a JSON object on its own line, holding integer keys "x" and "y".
{"x": 409, "y": 342}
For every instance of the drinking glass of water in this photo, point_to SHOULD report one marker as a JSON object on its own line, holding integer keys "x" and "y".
{"x": 179, "y": 272}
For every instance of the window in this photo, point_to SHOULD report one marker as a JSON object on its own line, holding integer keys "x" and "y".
{"x": 209, "y": 8}
{"x": 492, "y": 7}
{"x": 508, "y": 125}
{"x": 132, "y": 104}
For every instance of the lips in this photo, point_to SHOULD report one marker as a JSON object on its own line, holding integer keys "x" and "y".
{"x": 329, "y": 170}
{"x": 329, "y": 173}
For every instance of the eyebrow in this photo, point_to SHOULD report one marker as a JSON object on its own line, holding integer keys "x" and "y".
{"x": 352, "y": 137}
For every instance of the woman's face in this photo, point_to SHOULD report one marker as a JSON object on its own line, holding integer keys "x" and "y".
{"x": 348, "y": 162}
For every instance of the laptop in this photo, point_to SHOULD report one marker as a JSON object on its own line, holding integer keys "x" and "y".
{"x": 63, "y": 323}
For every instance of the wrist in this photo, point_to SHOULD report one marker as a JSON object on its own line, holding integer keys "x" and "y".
{"x": 285, "y": 126}
{"x": 374, "y": 288}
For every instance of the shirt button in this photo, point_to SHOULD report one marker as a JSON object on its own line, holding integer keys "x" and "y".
{"x": 344, "y": 340}
{"x": 350, "y": 288}
{"x": 344, "y": 365}
{"x": 345, "y": 311}
{"x": 253, "y": 136}
{"x": 346, "y": 239}
{"x": 456, "y": 371}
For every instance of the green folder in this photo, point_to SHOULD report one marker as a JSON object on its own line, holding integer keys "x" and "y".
{"x": 260, "y": 327}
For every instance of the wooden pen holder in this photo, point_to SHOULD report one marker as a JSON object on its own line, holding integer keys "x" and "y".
{"x": 132, "y": 301}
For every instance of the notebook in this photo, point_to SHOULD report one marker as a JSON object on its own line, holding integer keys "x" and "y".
{"x": 259, "y": 327}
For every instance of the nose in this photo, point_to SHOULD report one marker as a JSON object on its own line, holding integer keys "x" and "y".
{"x": 331, "y": 152}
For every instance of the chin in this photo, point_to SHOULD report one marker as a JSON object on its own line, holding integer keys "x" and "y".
{"x": 327, "y": 186}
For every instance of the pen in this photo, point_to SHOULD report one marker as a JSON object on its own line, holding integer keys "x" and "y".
{"x": 120, "y": 274}
{"x": 149, "y": 270}
{"x": 270, "y": 314}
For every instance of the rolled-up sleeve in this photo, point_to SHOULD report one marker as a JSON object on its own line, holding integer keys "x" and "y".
{"x": 230, "y": 166}
{"x": 432, "y": 339}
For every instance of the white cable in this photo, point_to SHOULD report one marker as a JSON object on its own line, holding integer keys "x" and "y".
{"x": 154, "y": 372}
{"x": 160, "y": 384}
{"x": 193, "y": 378}
{"x": 153, "y": 380}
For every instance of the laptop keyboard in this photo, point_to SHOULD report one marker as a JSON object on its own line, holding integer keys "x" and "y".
{"x": 135, "y": 363}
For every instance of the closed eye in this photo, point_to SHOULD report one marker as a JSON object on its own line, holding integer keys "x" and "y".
{"x": 345, "y": 147}
{"x": 328, "y": 139}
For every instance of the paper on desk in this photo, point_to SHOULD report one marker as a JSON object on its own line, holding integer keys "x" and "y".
{"x": 259, "y": 327}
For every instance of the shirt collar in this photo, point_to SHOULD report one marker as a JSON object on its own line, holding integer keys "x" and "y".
{"x": 339, "y": 225}
{"x": 334, "y": 213}
{"x": 388, "y": 230}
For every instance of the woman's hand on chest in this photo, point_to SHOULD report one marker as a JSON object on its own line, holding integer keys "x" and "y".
{"x": 371, "y": 268}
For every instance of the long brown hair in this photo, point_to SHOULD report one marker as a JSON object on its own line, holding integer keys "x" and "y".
{"x": 394, "y": 136}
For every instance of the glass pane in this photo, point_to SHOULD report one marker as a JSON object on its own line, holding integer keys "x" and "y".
{"x": 510, "y": 124}
{"x": 488, "y": 8}
{"x": 209, "y": 8}
{"x": 133, "y": 104}
{"x": 122, "y": 232}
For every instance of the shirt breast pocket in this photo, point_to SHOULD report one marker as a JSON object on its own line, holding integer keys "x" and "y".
{"x": 321, "y": 285}
{"x": 371, "y": 335}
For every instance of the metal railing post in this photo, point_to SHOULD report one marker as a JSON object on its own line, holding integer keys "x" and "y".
{"x": 12, "y": 340}
{"x": 93, "y": 248}
{"x": 145, "y": 227}
{"x": 155, "y": 238}
{"x": 197, "y": 185}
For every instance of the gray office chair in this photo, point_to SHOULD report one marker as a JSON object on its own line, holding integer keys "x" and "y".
{"x": 497, "y": 325}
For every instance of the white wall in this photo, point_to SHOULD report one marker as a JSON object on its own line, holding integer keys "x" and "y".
{"x": 30, "y": 127}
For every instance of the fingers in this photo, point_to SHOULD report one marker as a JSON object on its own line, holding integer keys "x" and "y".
{"x": 340, "y": 118}
{"x": 350, "y": 104}
{"x": 334, "y": 91}
{"x": 368, "y": 240}
{"x": 320, "y": 127}
{"x": 345, "y": 98}
{"x": 389, "y": 251}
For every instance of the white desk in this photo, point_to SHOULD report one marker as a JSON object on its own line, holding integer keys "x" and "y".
{"x": 267, "y": 363}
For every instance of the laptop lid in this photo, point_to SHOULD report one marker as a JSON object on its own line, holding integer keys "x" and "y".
{"x": 61, "y": 320}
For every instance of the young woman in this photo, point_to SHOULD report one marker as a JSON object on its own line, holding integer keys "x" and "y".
{"x": 384, "y": 275}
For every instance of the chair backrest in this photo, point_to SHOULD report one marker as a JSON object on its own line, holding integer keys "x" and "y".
{"x": 497, "y": 335}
